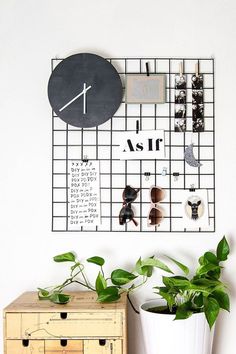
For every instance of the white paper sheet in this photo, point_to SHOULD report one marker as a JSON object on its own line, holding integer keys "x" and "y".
{"x": 195, "y": 208}
{"x": 147, "y": 144}
{"x": 84, "y": 194}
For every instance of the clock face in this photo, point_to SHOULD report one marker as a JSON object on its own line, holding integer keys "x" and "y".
{"x": 85, "y": 90}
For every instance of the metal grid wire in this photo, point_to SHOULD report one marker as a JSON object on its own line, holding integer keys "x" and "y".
{"x": 102, "y": 143}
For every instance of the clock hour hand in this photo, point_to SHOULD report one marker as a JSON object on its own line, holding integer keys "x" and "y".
{"x": 75, "y": 98}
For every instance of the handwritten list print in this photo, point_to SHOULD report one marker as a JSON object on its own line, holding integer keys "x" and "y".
{"x": 84, "y": 194}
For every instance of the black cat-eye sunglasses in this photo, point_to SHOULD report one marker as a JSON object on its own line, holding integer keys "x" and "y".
{"x": 126, "y": 214}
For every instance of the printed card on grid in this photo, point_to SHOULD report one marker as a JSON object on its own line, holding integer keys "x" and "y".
{"x": 84, "y": 194}
{"x": 195, "y": 208}
{"x": 147, "y": 144}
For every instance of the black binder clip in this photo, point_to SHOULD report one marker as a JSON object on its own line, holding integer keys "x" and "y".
{"x": 176, "y": 176}
{"x": 147, "y": 175}
{"x": 147, "y": 69}
{"x": 192, "y": 189}
{"x": 85, "y": 158}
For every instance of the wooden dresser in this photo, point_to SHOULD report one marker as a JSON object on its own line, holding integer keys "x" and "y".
{"x": 83, "y": 326}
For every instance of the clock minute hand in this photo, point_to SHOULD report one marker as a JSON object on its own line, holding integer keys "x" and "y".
{"x": 75, "y": 98}
{"x": 84, "y": 102}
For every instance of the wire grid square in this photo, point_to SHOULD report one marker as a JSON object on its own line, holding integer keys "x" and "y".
{"x": 102, "y": 143}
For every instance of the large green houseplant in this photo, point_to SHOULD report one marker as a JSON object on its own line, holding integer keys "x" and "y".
{"x": 195, "y": 299}
{"x": 183, "y": 295}
{"x": 203, "y": 292}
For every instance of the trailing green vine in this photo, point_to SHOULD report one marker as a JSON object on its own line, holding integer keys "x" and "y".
{"x": 107, "y": 288}
{"x": 184, "y": 296}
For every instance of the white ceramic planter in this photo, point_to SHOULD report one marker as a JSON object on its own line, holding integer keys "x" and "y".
{"x": 162, "y": 335}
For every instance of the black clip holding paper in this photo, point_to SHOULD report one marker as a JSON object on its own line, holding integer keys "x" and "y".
{"x": 192, "y": 189}
{"x": 85, "y": 158}
{"x": 147, "y": 175}
{"x": 176, "y": 175}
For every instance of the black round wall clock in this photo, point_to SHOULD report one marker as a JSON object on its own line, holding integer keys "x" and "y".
{"x": 85, "y": 90}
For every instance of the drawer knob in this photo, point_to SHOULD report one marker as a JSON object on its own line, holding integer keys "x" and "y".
{"x": 63, "y": 342}
{"x": 25, "y": 342}
{"x": 102, "y": 342}
{"x": 63, "y": 315}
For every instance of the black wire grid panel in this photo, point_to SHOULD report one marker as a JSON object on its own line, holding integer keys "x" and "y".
{"x": 102, "y": 143}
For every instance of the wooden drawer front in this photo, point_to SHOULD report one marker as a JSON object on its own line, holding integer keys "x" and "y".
{"x": 64, "y": 347}
{"x": 80, "y": 325}
{"x": 18, "y": 347}
{"x": 99, "y": 347}
{"x": 51, "y": 325}
{"x": 17, "y": 324}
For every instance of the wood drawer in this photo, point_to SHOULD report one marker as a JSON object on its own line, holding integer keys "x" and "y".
{"x": 102, "y": 346}
{"x": 46, "y": 325}
{"x": 92, "y": 346}
{"x": 28, "y": 347}
{"x": 64, "y": 347}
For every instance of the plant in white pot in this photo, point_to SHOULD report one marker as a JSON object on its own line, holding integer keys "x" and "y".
{"x": 182, "y": 320}
{"x": 196, "y": 300}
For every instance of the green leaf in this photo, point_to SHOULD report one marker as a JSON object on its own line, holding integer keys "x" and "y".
{"x": 110, "y": 294}
{"x": 183, "y": 267}
{"x": 59, "y": 298}
{"x": 222, "y": 299}
{"x": 96, "y": 260}
{"x": 176, "y": 282}
{"x": 184, "y": 311}
{"x": 154, "y": 262}
{"x": 121, "y": 277}
{"x": 205, "y": 282}
{"x": 43, "y": 294}
{"x": 170, "y": 299}
{"x": 223, "y": 250}
{"x": 143, "y": 270}
{"x": 145, "y": 267}
{"x": 211, "y": 258}
{"x": 198, "y": 301}
{"x": 65, "y": 257}
{"x": 100, "y": 283}
{"x": 138, "y": 266}
{"x": 205, "y": 285}
{"x": 202, "y": 260}
{"x": 211, "y": 309}
{"x": 214, "y": 274}
{"x": 147, "y": 271}
{"x": 76, "y": 265}
{"x": 207, "y": 268}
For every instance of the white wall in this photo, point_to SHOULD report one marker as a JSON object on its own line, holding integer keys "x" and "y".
{"x": 32, "y": 32}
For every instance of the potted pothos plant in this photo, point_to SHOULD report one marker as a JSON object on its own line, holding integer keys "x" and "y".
{"x": 196, "y": 299}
